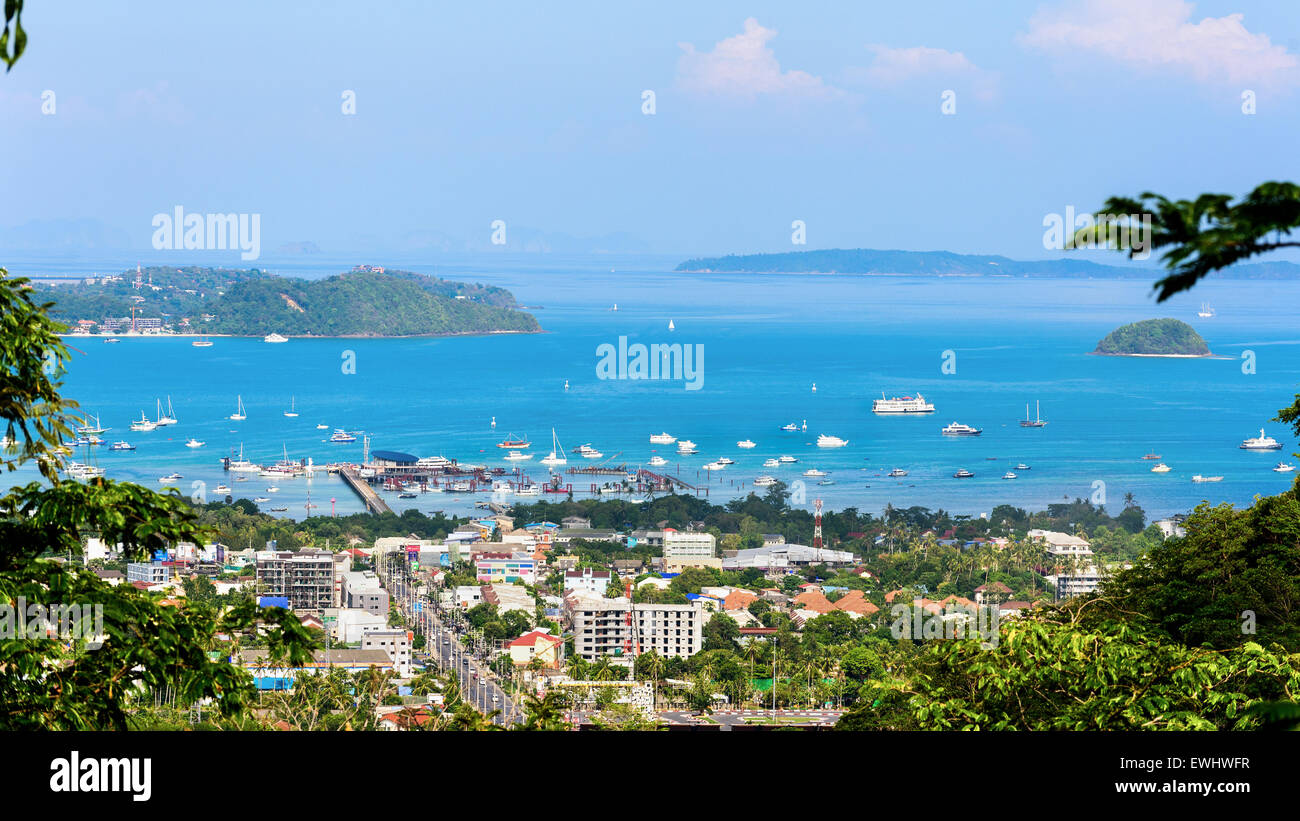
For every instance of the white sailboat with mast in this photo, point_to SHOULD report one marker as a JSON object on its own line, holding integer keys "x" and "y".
{"x": 556, "y": 456}
{"x": 1037, "y": 421}
{"x": 239, "y": 414}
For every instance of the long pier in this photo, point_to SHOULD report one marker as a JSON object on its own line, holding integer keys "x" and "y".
{"x": 374, "y": 504}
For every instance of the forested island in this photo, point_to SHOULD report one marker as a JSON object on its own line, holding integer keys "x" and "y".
{"x": 947, "y": 263}
{"x": 1153, "y": 337}
{"x": 363, "y": 302}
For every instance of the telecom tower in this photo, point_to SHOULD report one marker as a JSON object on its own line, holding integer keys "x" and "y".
{"x": 817, "y": 524}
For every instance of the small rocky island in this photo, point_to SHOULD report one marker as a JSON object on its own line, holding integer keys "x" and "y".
{"x": 1154, "y": 337}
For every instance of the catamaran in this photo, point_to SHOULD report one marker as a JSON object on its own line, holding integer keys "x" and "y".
{"x": 166, "y": 419}
{"x": 1036, "y": 422}
{"x": 239, "y": 414}
{"x": 293, "y": 407}
{"x": 556, "y": 456}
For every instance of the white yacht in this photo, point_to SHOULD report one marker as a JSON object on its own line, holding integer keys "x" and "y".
{"x": 790, "y": 428}
{"x": 1022, "y": 466}
{"x": 725, "y": 460}
{"x": 239, "y": 414}
{"x": 1199, "y": 478}
{"x": 517, "y": 456}
{"x": 1283, "y": 467}
{"x": 121, "y": 445}
{"x": 764, "y": 481}
{"x": 901, "y": 404}
{"x": 1008, "y": 475}
{"x": 771, "y": 463}
{"x": 814, "y": 472}
{"x": 825, "y": 441}
{"x": 662, "y": 438}
{"x": 193, "y": 443}
{"x": 786, "y": 459}
{"x": 958, "y": 429}
{"x": 746, "y": 444}
{"x": 170, "y": 479}
{"x": 658, "y": 461}
{"x": 963, "y": 473}
{"x": 433, "y": 462}
{"x": 686, "y": 446}
{"x": 502, "y": 487}
{"x": 322, "y": 426}
{"x": 242, "y": 465}
{"x": 1160, "y": 468}
{"x": 340, "y": 435}
{"x": 529, "y": 490}
{"x": 588, "y": 452}
{"x": 556, "y": 456}
{"x": 1261, "y": 442}
{"x": 715, "y": 466}
{"x": 897, "y": 473}
{"x": 293, "y": 407}
{"x": 143, "y": 424}
{"x": 275, "y": 338}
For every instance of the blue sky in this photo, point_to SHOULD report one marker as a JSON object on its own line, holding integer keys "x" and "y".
{"x": 765, "y": 113}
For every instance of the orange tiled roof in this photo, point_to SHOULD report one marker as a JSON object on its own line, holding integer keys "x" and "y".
{"x": 813, "y": 600}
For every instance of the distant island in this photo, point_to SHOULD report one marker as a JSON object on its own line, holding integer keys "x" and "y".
{"x": 367, "y": 301}
{"x": 1153, "y": 337}
{"x": 946, "y": 263}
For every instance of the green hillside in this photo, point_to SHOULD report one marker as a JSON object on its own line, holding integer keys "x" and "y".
{"x": 1154, "y": 337}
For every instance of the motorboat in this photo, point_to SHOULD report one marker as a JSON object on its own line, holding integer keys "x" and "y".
{"x": 814, "y": 472}
{"x": 1283, "y": 467}
{"x": 588, "y": 452}
{"x": 765, "y": 481}
{"x": 725, "y": 460}
{"x": 170, "y": 479}
{"x": 502, "y": 487}
{"x": 193, "y": 443}
{"x": 658, "y": 461}
{"x": 897, "y": 473}
{"x": 408, "y": 495}
{"x": 771, "y": 463}
{"x": 275, "y": 338}
{"x": 786, "y": 460}
{"x": 826, "y": 482}
{"x": 1022, "y": 466}
{"x": 686, "y": 446}
{"x": 1160, "y": 468}
{"x": 963, "y": 474}
{"x": 790, "y": 428}
{"x": 322, "y": 426}
{"x": 715, "y": 466}
{"x": 1008, "y": 475}
{"x": 825, "y": 441}
{"x": 340, "y": 435}
{"x": 516, "y": 456}
{"x": 662, "y": 438}
{"x": 746, "y": 444}
{"x": 122, "y": 445}
{"x": 262, "y": 499}
{"x": 221, "y": 490}
{"x": 529, "y": 490}
{"x": 958, "y": 429}
{"x": 1261, "y": 442}
{"x": 1199, "y": 478}
{"x": 273, "y": 489}
{"x": 1151, "y": 457}
{"x": 143, "y": 425}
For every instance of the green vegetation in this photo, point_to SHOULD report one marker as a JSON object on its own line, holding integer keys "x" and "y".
{"x": 1154, "y": 337}
{"x": 254, "y": 303}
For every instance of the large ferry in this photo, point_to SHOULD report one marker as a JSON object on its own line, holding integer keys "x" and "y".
{"x": 1261, "y": 442}
{"x": 958, "y": 429}
{"x": 902, "y": 404}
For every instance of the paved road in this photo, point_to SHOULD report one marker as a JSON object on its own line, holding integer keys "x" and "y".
{"x": 477, "y": 685}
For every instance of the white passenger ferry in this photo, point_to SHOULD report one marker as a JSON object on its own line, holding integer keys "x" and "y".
{"x": 902, "y": 404}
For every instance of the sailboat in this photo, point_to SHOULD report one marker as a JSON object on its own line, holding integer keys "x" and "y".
{"x": 671, "y": 326}
{"x": 556, "y": 456}
{"x": 93, "y": 430}
{"x": 292, "y": 411}
{"x": 202, "y": 342}
{"x": 1036, "y": 422}
{"x": 239, "y": 414}
{"x": 169, "y": 418}
{"x": 1206, "y": 311}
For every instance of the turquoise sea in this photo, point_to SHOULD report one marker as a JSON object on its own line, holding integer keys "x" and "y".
{"x": 766, "y": 340}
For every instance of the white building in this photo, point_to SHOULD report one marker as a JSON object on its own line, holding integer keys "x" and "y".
{"x": 591, "y": 581}
{"x": 1086, "y": 577}
{"x": 396, "y": 643}
{"x": 601, "y": 627}
{"x": 688, "y": 544}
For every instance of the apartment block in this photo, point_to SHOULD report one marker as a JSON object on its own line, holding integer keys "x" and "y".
{"x": 306, "y": 579}
{"x": 688, "y": 544}
{"x": 602, "y": 627}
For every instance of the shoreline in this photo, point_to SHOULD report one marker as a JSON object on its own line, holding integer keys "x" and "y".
{"x": 137, "y": 335}
{"x": 1163, "y": 355}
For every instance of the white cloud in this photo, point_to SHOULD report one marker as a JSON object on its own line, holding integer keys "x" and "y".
{"x": 745, "y": 66}
{"x": 894, "y": 67}
{"x": 1160, "y": 34}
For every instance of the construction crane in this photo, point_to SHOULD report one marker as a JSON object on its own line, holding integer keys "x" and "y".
{"x": 817, "y": 524}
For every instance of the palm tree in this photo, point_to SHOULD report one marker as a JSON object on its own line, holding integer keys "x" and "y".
{"x": 576, "y": 667}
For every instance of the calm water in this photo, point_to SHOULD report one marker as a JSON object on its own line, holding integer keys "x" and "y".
{"x": 766, "y": 340}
